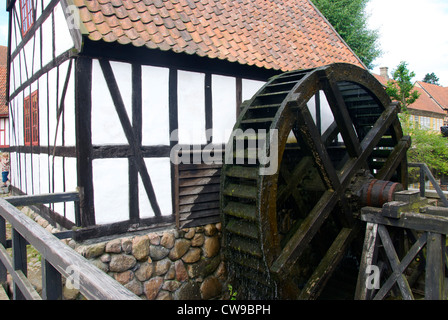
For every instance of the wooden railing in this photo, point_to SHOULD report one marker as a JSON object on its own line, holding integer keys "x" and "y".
{"x": 58, "y": 260}
{"x": 426, "y": 173}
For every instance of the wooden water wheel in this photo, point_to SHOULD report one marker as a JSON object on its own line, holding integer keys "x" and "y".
{"x": 286, "y": 227}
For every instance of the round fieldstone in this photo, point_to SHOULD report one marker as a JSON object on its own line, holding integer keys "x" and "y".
{"x": 181, "y": 271}
{"x": 140, "y": 247}
{"x": 158, "y": 252}
{"x": 144, "y": 272}
{"x": 167, "y": 240}
{"x": 181, "y": 246}
{"x": 211, "y": 288}
{"x": 211, "y": 246}
{"x": 121, "y": 262}
{"x": 113, "y": 246}
{"x": 193, "y": 255}
{"x": 152, "y": 287}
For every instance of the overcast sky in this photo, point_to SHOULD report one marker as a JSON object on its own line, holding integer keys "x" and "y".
{"x": 414, "y": 31}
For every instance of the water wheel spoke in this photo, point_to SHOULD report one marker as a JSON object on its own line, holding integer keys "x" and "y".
{"x": 328, "y": 264}
{"x": 295, "y": 246}
{"x": 292, "y": 179}
{"x": 308, "y": 131}
{"x": 369, "y": 142}
{"x": 395, "y": 159}
{"x": 341, "y": 116}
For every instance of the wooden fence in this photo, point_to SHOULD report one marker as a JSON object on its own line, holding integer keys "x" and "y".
{"x": 58, "y": 259}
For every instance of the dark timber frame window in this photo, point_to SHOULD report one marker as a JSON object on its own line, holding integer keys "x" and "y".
{"x": 27, "y": 15}
{"x": 31, "y": 119}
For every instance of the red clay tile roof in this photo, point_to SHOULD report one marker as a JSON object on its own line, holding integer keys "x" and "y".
{"x": 425, "y": 102}
{"x": 282, "y": 35}
{"x": 3, "y": 77}
{"x": 438, "y": 93}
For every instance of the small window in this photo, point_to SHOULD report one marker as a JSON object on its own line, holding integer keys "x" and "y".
{"x": 31, "y": 119}
{"x": 27, "y": 15}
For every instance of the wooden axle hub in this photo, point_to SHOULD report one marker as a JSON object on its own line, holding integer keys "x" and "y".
{"x": 375, "y": 193}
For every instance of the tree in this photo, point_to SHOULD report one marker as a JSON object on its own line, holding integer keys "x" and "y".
{"x": 401, "y": 87}
{"x": 431, "y": 78}
{"x": 349, "y": 19}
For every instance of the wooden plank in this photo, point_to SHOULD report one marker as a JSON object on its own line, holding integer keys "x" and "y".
{"x": 19, "y": 261}
{"x": 83, "y": 122}
{"x": 435, "y": 269}
{"x": 199, "y": 181}
{"x": 199, "y": 206}
{"x": 368, "y": 258}
{"x": 401, "y": 280}
{"x": 199, "y": 198}
{"x": 43, "y": 198}
{"x": 51, "y": 282}
{"x": 326, "y": 267}
{"x": 207, "y": 188}
{"x": 409, "y": 220}
{"x": 199, "y": 173}
{"x": 298, "y": 242}
{"x": 415, "y": 249}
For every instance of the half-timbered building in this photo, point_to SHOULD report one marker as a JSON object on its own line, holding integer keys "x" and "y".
{"x": 4, "y": 136}
{"x": 104, "y": 94}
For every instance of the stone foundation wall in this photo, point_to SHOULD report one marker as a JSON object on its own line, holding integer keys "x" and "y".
{"x": 167, "y": 265}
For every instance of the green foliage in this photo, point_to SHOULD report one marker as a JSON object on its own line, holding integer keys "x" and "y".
{"x": 431, "y": 78}
{"x": 427, "y": 146}
{"x": 349, "y": 19}
{"x": 401, "y": 89}
{"x": 232, "y": 293}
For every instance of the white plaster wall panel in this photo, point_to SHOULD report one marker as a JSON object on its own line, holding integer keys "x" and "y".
{"x": 57, "y": 169}
{"x": 250, "y": 87}
{"x": 191, "y": 107}
{"x": 26, "y": 175}
{"x": 44, "y": 168}
{"x": 110, "y": 185}
{"x": 14, "y": 168}
{"x": 36, "y": 53}
{"x": 52, "y": 104}
{"x": 36, "y": 174}
{"x": 224, "y": 107}
{"x": 69, "y": 111}
{"x": 159, "y": 169}
{"x": 65, "y": 132}
{"x": 155, "y": 112}
{"x": 28, "y": 58}
{"x": 63, "y": 39}
{"x": 17, "y": 73}
{"x": 46, "y": 3}
{"x": 106, "y": 126}
{"x": 69, "y": 170}
{"x": 43, "y": 110}
{"x": 13, "y": 32}
{"x": 47, "y": 40}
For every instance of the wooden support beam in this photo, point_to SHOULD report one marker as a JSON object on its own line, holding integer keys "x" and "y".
{"x": 435, "y": 267}
{"x": 326, "y": 267}
{"x": 43, "y": 198}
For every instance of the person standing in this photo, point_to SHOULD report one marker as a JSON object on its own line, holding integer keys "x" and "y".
{"x": 5, "y": 168}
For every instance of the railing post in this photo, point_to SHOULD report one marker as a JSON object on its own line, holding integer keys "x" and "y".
{"x": 435, "y": 269}
{"x": 3, "y": 272}
{"x": 422, "y": 181}
{"x": 19, "y": 255}
{"x": 51, "y": 282}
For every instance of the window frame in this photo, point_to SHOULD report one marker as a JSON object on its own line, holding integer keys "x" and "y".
{"x": 31, "y": 119}
{"x": 26, "y": 15}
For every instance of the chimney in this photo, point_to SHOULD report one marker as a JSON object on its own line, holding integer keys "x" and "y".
{"x": 384, "y": 72}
